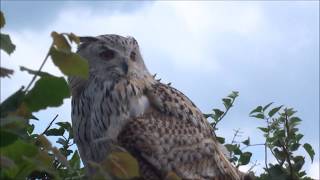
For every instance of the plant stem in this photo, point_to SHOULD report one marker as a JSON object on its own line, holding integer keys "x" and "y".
{"x": 43, "y": 62}
{"x": 49, "y": 125}
{"x": 287, "y": 144}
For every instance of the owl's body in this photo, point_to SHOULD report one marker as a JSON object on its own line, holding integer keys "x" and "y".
{"x": 121, "y": 103}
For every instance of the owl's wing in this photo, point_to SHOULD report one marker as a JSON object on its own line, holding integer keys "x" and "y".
{"x": 173, "y": 136}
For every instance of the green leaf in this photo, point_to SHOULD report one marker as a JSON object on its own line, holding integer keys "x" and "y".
{"x": 309, "y": 150}
{"x": 47, "y": 92}
{"x": 259, "y": 116}
{"x": 6, "y": 43}
{"x": 274, "y": 111}
{"x": 217, "y": 114}
{"x": 12, "y": 103}
{"x": 54, "y": 132}
{"x": 73, "y": 38}
{"x": 62, "y": 141}
{"x": 75, "y": 160}
{"x": 4, "y": 72}
{"x": 298, "y": 163}
{"x": 257, "y": 109}
{"x": 294, "y": 121}
{"x": 60, "y": 42}
{"x": 231, "y": 147}
{"x": 7, "y": 137}
{"x": 2, "y": 20}
{"x": 64, "y": 125}
{"x": 245, "y": 158}
{"x": 233, "y": 94}
{"x": 221, "y": 140}
{"x": 266, "y": 106}
{"x": 294, "y": 146}
{"x": 33, "y": 72}
{"x": 263, "y": 129}
{"x": 247, "y": 141}
{"x": 122, "y": 165}
{"x": 18, "y": 149}
{"x": 71, "y": 64}
{"x": 226, "y": 102}
{"x": 207, "y": 115}
{"x": 298, "y": 137}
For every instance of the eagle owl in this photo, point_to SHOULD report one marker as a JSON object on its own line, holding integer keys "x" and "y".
{"x": 121, "y": 103}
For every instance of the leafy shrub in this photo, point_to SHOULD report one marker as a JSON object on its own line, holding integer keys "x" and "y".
{"x": 27, "y": 155}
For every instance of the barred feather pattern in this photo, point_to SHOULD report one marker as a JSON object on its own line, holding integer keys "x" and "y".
{"x": 156, "y": 123}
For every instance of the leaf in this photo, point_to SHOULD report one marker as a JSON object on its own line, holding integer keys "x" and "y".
{"x": 294, "y": 121}
{"x": 47, "y": 92}
{"x": 274, "y": 111}
{"x": 172, "y": 176}
{"x": 226, "y": 102}
{"x": 309, "y": 150}
{"x": 122, "y": 165}
{"x": 6, "y": 162}
{"x": 62, "y": 141}
{"x": 259, "y": 116}
{"x": 33, "y": 72}
{"x": 217, "y": 114}
{"x": 4, "y": 72}
{"x": 294, "y": 146}
{"x": 245, "y": 158}
{"x": 233, "y": 94}
{"x": 2, "y": 20}
{"x": 221, "y": 140}
{"x": 73, "y": 38}
{"x": 12, "y": 103}
{"x": 30, "y": 128}
{"x": 247, "y": 141}
{"x": 6, "y": 43}
{"x": 64, "y": 125}
{"x": 7, "y": 138}
{"x": 298, "y": 163}
{"x": 60, "y": 42}
{"x": 75, "y": 160}
{"x": 54, "y": 132}
{"x": 207, "y": 115}
{"x": 19, "y": 149}
{"x": 71, "y": 64}
{"x": 231, "y": 147}
{"x": 266, "y": 106}
{"x": 257, "y": 109}
{"x": 298, "y": 137}
{"x": 263, "y": 129}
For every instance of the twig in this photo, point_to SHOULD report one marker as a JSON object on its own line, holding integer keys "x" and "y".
{"x": 43, "y": 62}
{"x": 286, "y": 144}
{"x": 49, "y": 125}
{"x": 222, "y": 116}
{"x": 253, "y": 165}
{"x": 260, "y": 144}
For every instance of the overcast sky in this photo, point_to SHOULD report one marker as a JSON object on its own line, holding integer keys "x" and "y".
{"x": 268, "y": 51}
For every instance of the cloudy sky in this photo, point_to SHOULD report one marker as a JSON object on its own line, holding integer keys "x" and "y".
{"x": 268, "y": 51}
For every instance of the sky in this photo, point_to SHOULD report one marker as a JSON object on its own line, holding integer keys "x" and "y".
{"x": 268, "y": 51}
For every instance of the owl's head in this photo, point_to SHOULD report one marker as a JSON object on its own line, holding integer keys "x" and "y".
{"x": 112, "y": 57}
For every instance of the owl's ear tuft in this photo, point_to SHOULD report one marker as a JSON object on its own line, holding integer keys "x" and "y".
{"x": 88, "y": 39}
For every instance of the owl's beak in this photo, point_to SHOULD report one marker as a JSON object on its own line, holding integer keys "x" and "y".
{"x": 125, "y": 67}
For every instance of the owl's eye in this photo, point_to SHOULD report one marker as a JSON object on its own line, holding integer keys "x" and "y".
{"x": 133, "y": 56}
{"x": 107, "y": 54}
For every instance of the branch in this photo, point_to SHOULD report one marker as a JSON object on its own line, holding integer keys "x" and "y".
{"x": 49, "y": 125}
{"x": 43, "y": 62}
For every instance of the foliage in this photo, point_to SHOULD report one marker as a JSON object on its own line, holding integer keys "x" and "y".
{"x": 25, "y": 154}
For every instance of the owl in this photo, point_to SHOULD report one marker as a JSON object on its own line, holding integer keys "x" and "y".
{"x": 121, "y": 103}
